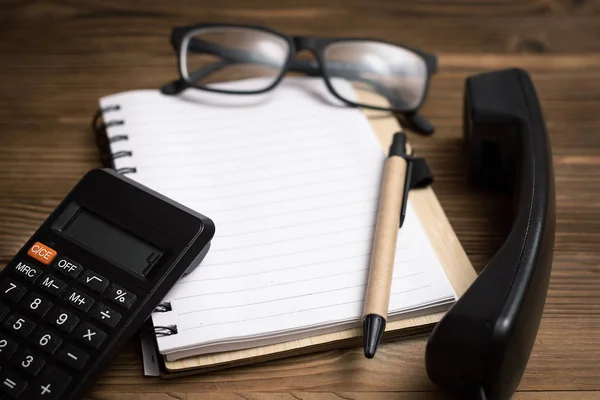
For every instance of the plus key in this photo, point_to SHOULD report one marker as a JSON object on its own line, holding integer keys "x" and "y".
{"x": 51, "y": 385}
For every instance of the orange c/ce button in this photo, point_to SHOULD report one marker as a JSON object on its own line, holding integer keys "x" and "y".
{"x": 42, "y": 253}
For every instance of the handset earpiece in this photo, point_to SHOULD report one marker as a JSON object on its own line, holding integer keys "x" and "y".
{"x": 482, "y": 345}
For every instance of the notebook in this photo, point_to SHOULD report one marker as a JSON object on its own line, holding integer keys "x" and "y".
{"x": 291, "y": 180}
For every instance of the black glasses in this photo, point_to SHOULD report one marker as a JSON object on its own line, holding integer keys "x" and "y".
{"x": 240, "y": 59}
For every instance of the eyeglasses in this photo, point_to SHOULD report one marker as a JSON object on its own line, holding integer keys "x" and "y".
{"x": 240, "y": 59}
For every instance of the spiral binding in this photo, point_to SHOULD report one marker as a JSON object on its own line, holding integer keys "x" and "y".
{"x": 163, "y": 307}
{"x": 167, "y": 330}
{"x": 158, "y": 331}
{"x": 103, "y": 142}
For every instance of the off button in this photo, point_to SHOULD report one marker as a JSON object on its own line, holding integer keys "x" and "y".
{"x": 68, "y": 267}
{"x": 42, "y": 253}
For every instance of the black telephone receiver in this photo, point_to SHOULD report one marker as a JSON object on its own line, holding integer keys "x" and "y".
{"x": 481, "y": 347}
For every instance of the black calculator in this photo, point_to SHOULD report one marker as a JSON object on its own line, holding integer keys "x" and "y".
{"x": 86, "y": 282}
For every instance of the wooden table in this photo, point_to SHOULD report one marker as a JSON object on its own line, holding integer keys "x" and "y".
{"x": 58, "y": 57}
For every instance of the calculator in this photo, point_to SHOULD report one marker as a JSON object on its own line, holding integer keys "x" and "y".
{"x": 86, "y": 282}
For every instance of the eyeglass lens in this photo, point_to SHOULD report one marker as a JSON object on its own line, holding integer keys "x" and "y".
{"x": 218, "y": 57}
{"x": 378, "y": 72}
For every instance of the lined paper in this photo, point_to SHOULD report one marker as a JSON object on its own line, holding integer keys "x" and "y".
{"x": 291, "y": 180}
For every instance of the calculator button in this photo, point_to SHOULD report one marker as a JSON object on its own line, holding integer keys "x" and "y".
{"x": 120, "y": 296}
{"x": 4, "y": 310}
{"x": 73, "y": 357}
{"x": 12, "y": 290}
{"x": 29, "y": 362}
{"x": 52, "y": 285}
{"x": 79, "y": 300}
{"x": 93, "y": 281}
{"x": 42, "y": 253}
{"x": 37, "y": 304}
{"x": 50, "y": 386}
{"x": 63, "y": 320}
{"x": 106, "y": 315}
{"x": 67, "y": 267}
{"x": 90, "y": 335}
{"x": 19, "y": 325}
{"x": 27, "y": 271}
{"x": 7, "y": 347}
{"x": 46, "y": 340}
{"x": 12, "y": 385}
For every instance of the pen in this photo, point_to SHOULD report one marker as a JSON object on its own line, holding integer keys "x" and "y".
{"x": 390, "y": 216}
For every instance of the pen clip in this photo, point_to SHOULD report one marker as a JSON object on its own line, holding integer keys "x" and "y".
{"x": 418, "y": 175}
{"x": 407, "y": 187}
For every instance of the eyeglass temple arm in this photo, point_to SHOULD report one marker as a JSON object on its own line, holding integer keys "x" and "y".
{"x": 308, "y": 67}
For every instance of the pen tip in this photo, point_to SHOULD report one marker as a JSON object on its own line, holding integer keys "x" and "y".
{"x": 373, "y": 328}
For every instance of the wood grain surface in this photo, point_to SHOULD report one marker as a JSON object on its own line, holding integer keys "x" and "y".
{"x": 58, "y": 57}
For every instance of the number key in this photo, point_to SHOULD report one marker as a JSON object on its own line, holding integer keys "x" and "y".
{"x": 63, "y": 320}
{"x": 12, "y": 290}
{"x": 7, "y": 347}
{"x": 37, "y": 304}
{"x": 20, "y": 325}
{"x": 29, "y": 362}
{"x": 46, "y": 340}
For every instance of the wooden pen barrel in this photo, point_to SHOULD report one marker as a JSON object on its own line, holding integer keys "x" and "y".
{"x": 385, "y": 237}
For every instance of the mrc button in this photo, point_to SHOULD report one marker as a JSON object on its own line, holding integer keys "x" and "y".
{"x": 29, "y": 272}
{"x": 67, "y": 267}
{"x": 42, "y": 253}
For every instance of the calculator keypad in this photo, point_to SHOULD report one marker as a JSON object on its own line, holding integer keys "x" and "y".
{"x": 54, "y": 318}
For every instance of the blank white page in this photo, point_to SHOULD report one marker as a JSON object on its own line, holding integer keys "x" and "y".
{"x": 291, "y": 179}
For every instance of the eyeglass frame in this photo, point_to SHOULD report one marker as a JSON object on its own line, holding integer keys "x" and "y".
{"x": 296, "y": 43}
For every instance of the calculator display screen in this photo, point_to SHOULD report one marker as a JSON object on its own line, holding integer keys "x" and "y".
{"x": 108, "y": 241}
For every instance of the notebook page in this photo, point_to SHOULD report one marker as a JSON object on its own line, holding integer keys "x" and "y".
{"x": 291, "y": 180}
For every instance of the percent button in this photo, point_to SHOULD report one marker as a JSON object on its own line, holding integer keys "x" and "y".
{"x": 120, "y": 296}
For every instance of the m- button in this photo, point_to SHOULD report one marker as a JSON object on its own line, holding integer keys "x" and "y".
{"x": 42, "y": 253}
